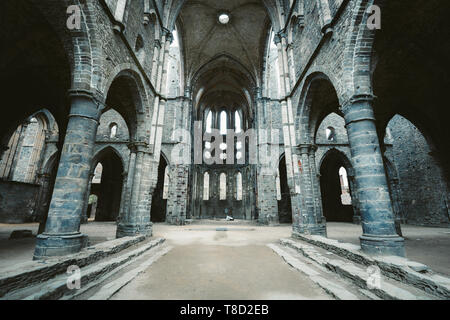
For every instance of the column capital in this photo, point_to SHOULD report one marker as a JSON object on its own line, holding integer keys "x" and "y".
{"x": 43, "y": 176}
{"x": 81, "y": 101}
{"x": 118, "y": 27}
{"x": 138, "y": 146}
{"x": 358, "y": 108}
{"x": 304, "y": 148}
{"x": 313, "y": 149}
{"x": 279, "y": 36}
{"x": 168, "y": 34}
{"x": 357, "y": 98}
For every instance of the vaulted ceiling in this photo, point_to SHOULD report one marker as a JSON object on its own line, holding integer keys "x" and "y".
{"x": 241, "y": 38}
{"x": 223, "y": 57}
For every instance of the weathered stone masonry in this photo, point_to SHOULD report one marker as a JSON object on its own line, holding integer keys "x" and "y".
{"x": 320, "y": 89}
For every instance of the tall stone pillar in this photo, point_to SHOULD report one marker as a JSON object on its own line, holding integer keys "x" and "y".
{"x": 317, "y": 195}
{"x": 267, "y": 197}
{"x": 123, "y": 195}
{"x": 84, "y": 216}
{"x": 177, "y": 202}
{"x": 135, "y": 217}
{"x": 354, "y": 197}
{"x": 128, "y": 188}
{"x": 308, "y": 222}
{"x": 379, "y": 234}
{"x": 42, "y": 204}
{"x": 62, "y": 233}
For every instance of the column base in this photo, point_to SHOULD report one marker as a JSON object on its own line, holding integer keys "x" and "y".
{"x": 311, "y": 229}
{"x": 383, "y": 246}
{"x": 268, "y": 220}
{"x": 357, "y": 220}
{"x": 132, "y": 230}
{"x": 55, "y": 245}
{"x": 176, "y": 221}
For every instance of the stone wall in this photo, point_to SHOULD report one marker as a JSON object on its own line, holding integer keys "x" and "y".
{"x": 419, "y": 175}
{"x": 17, "y": 202}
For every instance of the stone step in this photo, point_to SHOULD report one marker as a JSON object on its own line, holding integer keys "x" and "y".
{"x": 36, "y": 272}
{"x": 398, "y": 268}
{"x": 56, "y": 287}
{"x": 380, "y": 285}
{"x": 332, "y": 285}
{"x": 109, "y": 286}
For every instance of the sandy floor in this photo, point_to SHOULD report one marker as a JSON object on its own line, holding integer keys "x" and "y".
{"x": 209, "y": 264}
{"x": 21, "y": 250}
{"x": 430, "y": 246}
{"x": 426, "y": 245}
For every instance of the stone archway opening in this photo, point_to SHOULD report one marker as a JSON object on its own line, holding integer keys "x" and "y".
{"x": 283, "y": 194}
{"x": 106, "y": 187}
{"x": 160, "y": 195}
{"x": 336, "y": 190}
{"x": 414, "y": 174}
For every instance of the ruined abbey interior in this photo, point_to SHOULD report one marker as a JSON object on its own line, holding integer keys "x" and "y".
{"x": 136, "y": 123}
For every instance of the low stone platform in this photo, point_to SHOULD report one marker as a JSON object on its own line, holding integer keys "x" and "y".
{"x": 34, "y": 272}
{"x": 399, "y": 269}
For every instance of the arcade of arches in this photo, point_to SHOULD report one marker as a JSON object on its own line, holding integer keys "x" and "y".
{"x": 331, "y": 121}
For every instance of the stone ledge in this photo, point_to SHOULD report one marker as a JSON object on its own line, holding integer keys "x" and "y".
{"x": 397, "y": 268}
{"x": 91, "y": 275}
{"x": 33, "y": 272}
{"x": 389, "y": 289}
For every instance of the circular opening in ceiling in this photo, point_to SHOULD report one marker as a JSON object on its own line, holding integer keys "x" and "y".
{"x": 224, "y": 18}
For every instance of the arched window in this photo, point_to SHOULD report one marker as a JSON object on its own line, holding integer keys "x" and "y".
{"x": 206, "y": 186}
{"x": 113, "y": 130}
{"x": 20, "y": 162}
{"x": 166, "y": 184}
{"x": 223, "y": 187}
{"x": 330, "y": 134}
{"x": 239, "y": 186}
{"x": 209, "y": 122}
{"x": 98, "y": 173}
{"x": 238, "y": 150}
{"x": 237, "y": 122}
{"x": 223, "y": 122}
{"x": 139, "y": 49}
{"x": 345, "y": 189}
{"x": 278, "y": 186}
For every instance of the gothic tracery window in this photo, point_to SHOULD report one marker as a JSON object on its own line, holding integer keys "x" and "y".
{"x": 206, "y": 186}
{"x": 223, "y": 187}
{"x": 223, "y": 122}
{"x": 239, "y": 186}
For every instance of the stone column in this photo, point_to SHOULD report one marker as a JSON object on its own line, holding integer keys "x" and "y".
{"x": 41, "y": 208}
{"x": 267, "y": 197}
{"x": 355, "y": 203}
{"x": 308, "y": 222}
{"x": 135, "y": 218}
{"x": 177, "y": 203}
{"x": 379, "y": 234}
{"x": 123, "y": 195}
{"x": 84, "y": 217}
{"x": 317, "y": 195}
{"x": 62, "y": 233}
